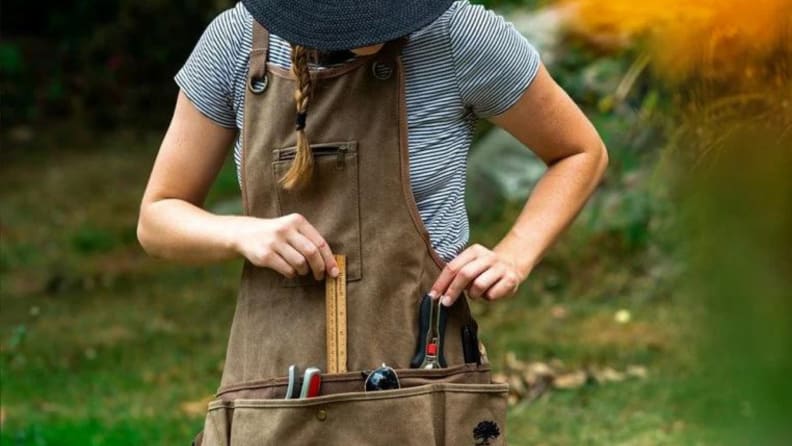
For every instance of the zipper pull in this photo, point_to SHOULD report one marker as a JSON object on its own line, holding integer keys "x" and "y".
{"x": 341, "y": 157}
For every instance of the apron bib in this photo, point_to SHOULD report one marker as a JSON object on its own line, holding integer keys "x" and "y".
{"x": 359, "y": 198}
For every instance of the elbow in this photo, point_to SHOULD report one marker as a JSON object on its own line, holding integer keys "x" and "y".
{"x": 144, "y": 235}
{"x": 601, "y": 156}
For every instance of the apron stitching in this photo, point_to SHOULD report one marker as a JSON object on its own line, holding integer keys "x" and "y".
{"x": 405, "y": 169}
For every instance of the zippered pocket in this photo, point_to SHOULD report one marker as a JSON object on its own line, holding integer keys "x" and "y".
{"x": 337, "y": 150}
{"x": 330, "y": 201}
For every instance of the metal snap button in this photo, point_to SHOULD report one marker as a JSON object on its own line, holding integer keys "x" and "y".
{"x": 381, "y": 71}
{"x": 321, "y": 415}
{"x": 257, "y": 86}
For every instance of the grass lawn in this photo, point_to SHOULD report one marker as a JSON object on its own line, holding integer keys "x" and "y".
{"x": 104, "y": 345}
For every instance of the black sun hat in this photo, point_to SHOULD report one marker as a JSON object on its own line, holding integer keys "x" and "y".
{"x": 344, "y": 24}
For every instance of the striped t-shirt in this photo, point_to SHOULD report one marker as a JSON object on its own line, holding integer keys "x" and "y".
{"x": 469, "y": 63}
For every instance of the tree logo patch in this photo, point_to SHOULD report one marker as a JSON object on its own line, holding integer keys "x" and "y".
{"x": 486, "y": 431}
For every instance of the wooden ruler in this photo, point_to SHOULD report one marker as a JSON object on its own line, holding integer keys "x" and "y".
{"x": 336, "y": 306}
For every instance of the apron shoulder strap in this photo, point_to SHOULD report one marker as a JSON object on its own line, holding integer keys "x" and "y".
{"x": 259, "y": 52}
{"x": 260, "y": 37}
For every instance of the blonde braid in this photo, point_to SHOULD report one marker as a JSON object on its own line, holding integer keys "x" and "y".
{"x": 302, "y": 166}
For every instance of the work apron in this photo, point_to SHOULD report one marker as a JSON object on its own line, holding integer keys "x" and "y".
{"x": 359, "y": 199}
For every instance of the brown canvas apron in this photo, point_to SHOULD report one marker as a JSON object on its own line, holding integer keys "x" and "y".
{"x": 360, "y": 200}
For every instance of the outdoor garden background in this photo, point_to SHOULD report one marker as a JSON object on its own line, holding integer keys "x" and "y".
{"x": 663, "y": 316}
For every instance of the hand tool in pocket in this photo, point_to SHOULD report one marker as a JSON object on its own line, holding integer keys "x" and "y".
{"x": 311, "y": 383}
{"x": 336, "y": 320}
{"x": 308, "y": 387}
{"x": 292, "y": 390}
{"x": 432, "y": 318}
{"x": 470, "y": 343}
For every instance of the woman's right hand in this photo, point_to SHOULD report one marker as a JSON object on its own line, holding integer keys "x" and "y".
{"x": 289, "y": 245}
{"x": 173, "y": 224}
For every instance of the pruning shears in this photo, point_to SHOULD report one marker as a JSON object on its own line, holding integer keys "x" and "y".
{"x": 308, "y": 388}
{"x": 432, "y": 320}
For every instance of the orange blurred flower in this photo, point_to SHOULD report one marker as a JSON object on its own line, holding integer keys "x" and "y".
{"x": 716, "y": 39}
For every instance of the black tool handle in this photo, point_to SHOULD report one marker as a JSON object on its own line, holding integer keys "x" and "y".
{"x": 423, "y": 327}
{"x": 470, "y": 348}
{"x": 441, "y": 333}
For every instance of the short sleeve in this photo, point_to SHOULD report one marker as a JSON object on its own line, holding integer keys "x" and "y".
{"x": 207, "y": 76}
{"x": 494, "y": 63}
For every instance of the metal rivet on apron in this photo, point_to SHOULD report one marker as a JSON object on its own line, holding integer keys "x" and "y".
{"x": 381, "y": 71}
{"x": 257, "y": 86}
{"x": 321, "y": 415}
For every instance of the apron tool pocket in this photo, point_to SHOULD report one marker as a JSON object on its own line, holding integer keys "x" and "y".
{"x": 330, "y": 201}
{"x": 454, "y": 406}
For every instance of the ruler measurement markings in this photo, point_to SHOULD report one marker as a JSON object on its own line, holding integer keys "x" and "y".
{"x": 335, "y": 301}
{"x": 341, "y": 324}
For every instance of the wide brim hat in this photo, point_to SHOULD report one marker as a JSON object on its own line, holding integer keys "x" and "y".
{"x": 344, "y": 24}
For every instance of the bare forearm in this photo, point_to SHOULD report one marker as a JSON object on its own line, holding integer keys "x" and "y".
{"x": 175, "y": 229}
{"x": 547, "y": 120}
{"x": 555, "y": 201}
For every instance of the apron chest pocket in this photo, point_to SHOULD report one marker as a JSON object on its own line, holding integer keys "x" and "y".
{"x": 455, "y": 406}
{"x": 330, "y": 200}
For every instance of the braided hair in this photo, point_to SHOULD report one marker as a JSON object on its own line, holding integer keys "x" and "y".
{"x": 302, "y": 166}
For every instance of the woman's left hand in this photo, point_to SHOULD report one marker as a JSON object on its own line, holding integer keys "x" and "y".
{"x": 483, "y": 272}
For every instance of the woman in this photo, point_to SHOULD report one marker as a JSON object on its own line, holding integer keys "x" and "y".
{"x": 352, "y": 122}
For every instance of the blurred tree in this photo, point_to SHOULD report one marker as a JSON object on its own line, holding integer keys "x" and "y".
{"x": 97, "y": 63}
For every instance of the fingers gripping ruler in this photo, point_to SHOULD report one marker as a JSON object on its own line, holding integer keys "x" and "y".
{"x": 336, "y": 321}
